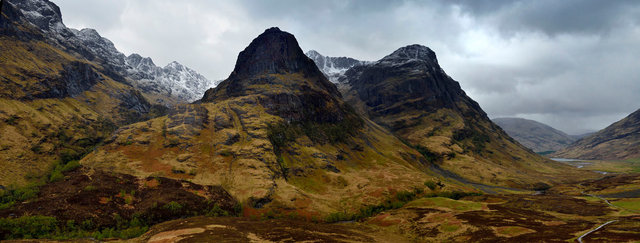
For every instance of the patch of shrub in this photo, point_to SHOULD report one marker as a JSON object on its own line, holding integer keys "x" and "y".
{"x": 216, "y": 211}
{"x": 428, "y": 154}
{"x": 28, "y": 227}
{"x": 430, "y": 184}
{"x": 455, "y": 195}
{"x": 173, "y": 206}
{"x": 401, "y": 198}
{"x": 71, "y": 165}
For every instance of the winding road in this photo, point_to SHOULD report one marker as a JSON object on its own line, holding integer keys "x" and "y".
{"x": 594, "y": 230}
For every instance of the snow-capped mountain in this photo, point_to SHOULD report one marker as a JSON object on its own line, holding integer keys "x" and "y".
{"x": 333, "y": 67}
{"x": 174, "y": 79}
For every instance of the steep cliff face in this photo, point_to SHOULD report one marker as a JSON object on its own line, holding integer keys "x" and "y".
{"x": 535, "y": 135}
{"x": 619, "y": 141}
{"x": 275, "y": 134}
{"x": 409, "y": 93}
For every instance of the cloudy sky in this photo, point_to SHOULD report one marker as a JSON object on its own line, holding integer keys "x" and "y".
{"x": 573, "y": 64}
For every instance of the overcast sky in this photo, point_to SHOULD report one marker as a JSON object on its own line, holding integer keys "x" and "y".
{"x": 574, "y": 65}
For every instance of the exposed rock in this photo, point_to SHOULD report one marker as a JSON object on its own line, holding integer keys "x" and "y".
{"x": 303, "y": 94}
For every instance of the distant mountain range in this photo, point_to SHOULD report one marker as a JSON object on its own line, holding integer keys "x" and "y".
{"x": 535, "y": 135}
{"x": 619, "y": 141}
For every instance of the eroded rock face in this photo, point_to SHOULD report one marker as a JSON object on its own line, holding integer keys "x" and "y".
{"x": 75, "y": 78}
{"x": 409, "y": 78}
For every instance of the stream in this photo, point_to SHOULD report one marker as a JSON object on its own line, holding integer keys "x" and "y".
{"x": 577, "y": 163}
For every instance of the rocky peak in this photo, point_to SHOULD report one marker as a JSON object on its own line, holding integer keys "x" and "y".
{"x": 273, "y": 51}
{"x": 274, "y": 59}
{"x": 313, "y": 54}
{"x": 176, "y": 66}
{"x": 41, "y": 13}
{"x": 415, "y": 51}
{"x": 136, "y": 61}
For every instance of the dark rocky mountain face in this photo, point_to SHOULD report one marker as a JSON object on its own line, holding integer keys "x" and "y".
{"x": 535, "y": 135}
{"x": 287, "y": 82}
{"x": 272, "y": 52}
{"x": 410, "y": 76}
{"x": 409, "y": 93}
{"x": 619, "y": 141}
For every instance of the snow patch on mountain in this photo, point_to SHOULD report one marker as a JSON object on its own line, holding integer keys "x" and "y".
{"x": 174, "y": 79}
{"x": 333, "y": 67}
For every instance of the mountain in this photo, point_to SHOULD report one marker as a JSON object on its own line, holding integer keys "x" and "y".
{"x": 535, "y": 135}
{"x": 409, "y": 93}
{"x": 277, "y": 135}
{"x": 63, "y": 90}
{"x": 174, "y": 79}
{"x": 619, "y": 141}
{"x": 333, "y": 67}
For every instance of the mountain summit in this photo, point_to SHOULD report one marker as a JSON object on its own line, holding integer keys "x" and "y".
{"x": 412, "y": 52}
{"x": 272, "y": 52}
{"x": 274, "y": 68}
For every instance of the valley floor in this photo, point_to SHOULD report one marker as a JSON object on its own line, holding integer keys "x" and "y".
{"x": 604, "y": 209}
{"x": 561, "y": 214}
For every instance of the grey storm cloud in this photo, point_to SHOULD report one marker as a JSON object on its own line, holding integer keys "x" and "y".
{"x": 572, "y": 64}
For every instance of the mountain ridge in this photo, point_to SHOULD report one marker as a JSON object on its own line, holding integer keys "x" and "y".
{"x": 333, "y": 67}
{"x": 185, "y": 85}
{"x": 535, "y": 135}
{"x": 618, "y": 141}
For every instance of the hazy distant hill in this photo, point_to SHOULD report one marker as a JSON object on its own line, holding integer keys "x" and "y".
{"x": 620, "y": 140}
{"x": 535, "y": 135}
